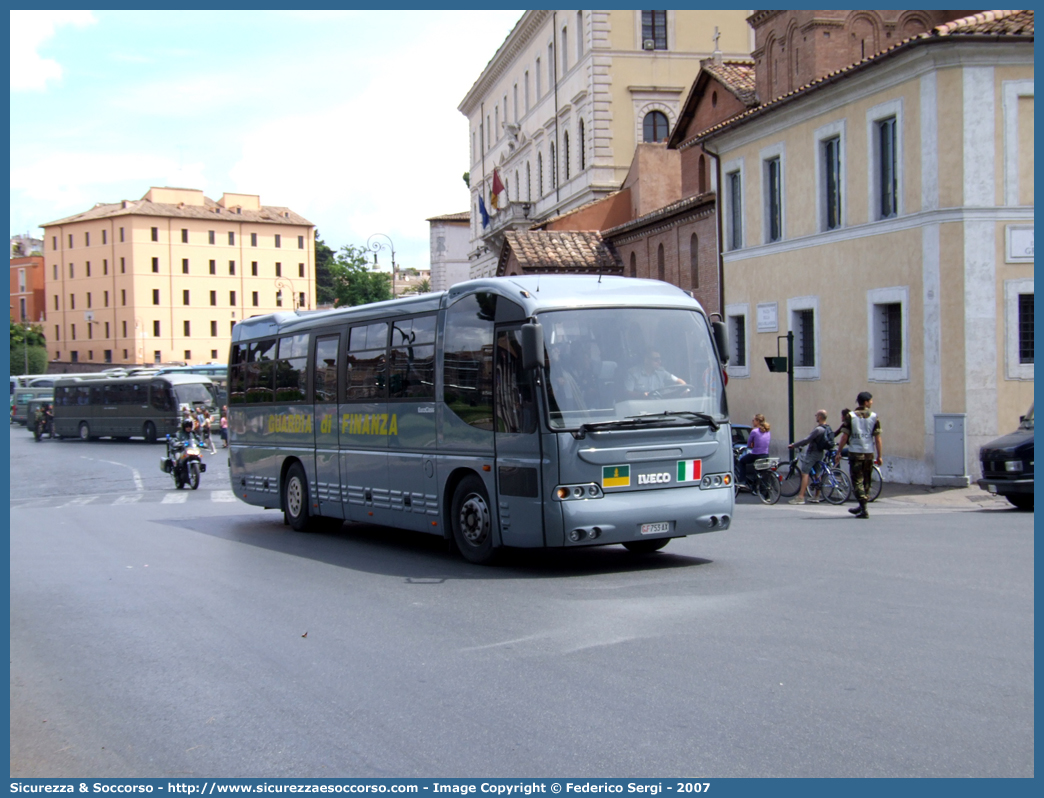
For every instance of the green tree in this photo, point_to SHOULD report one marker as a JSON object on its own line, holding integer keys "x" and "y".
{"x": 423, "y": 287}
{"x": 29, "y": 343}
{"x": 324, "y": 257}
{"x": 355, "y": 281}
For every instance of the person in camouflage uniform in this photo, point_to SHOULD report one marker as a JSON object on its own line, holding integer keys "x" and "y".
{"x": 861, "y": 431}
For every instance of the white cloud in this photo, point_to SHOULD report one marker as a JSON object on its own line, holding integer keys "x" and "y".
{"x": 29, "y": 30}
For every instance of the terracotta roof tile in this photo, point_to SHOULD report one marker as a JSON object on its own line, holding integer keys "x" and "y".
{"x": 737, "y": 76}
{"x": 463, "y": 216}
{"x": 266, "y": 214}
{"x": 987, "y": 23}
{"x": 543, "y": 252}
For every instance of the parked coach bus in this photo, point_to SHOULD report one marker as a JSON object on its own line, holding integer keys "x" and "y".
{"x": 217, "y": 374}
{"x": 534, "y": 411}
{"x": 125, "y": 407}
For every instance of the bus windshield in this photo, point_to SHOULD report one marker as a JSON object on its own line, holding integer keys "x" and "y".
{"x": 192, "y": 393}
{"x": 611, "y": 364}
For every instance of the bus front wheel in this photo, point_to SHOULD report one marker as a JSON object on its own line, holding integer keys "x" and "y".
{"x": 149, "y": 432}
{"x": 85, "y": 431}
{"x": 295, "y": 498}
{"x": 472, "y": 521}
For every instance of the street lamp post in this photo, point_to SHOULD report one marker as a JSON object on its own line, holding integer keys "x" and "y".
{"x": 377, "y": 246}
{"x": 281, "y": 283}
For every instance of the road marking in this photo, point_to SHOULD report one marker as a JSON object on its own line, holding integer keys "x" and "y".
{"x": 80, "y": 500}
{"x": 129, "y": 498}
{"x": 175, "y": 498}
{"x": 222, "y": 496}
{"x": 138, "y": 484}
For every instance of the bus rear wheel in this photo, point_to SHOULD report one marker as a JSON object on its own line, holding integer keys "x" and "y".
{"x": 472, "y": 521}
{"x": 295, "y": 498}
{"x": 149, "y": 431}
{"x": 646, "y": 546}
{"x": 85, "y": 431}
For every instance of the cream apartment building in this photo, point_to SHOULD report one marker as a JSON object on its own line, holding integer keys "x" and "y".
{"x": 884, "y": 214}
{"x": 566, "y": 99}
{"x": 164, "y": 278}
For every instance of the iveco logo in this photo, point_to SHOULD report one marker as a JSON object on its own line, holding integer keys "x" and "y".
{"x": 652, "y": 479}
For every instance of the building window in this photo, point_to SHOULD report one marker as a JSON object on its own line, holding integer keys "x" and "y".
{"x": 254, "y": 298}
{"x": 803, "y": 318}
{"x": 213, "y": 267}
{"x": 565, "y": 152}
{"x": 213, "y": 354}
{"x": 155, "y": 265}
{"x": 210, "y": 236}
{"x": 553, "y": 166}
{"x": 253, "y": 268}
{"x": 579, "y": 34}
{"x": 184, "y": 236}
{"x": 105, "y": 236}
{"x": 887, "y": 174}
{"x": 72, "y": 329}
{"x": 253, "y": 239}
{"x": 300, "y": 270}
{"x": 301, "y": 300}
{"x": 582, "y": 151}
{"x": 184, "y": 266}
{"x": 86, "y": 239}
{"x": 694, "y": 262}
{"x": 654, "y": 30}
{"x": 123, "y": 296}
{"x": 231, "y": 267}
{"x": 157, "y": 356}
{"x": 829, "y": 166}
{"x": 56, "y": 301}
{"x": 123, "y": 265}
{"x": 72, "y": 271}
{"x": 188, "y": 328}
{"x": 22, "y": 308}
{"x": 90, "y": 331}
{"x": 1018, "y": 329}
{"x": 72, "y": 301}
{"x": 71, "y": 240}
{"x": 105, "y": 266}
{"x": 565, "y": 49}
{"x": 213, "y": 298}
{"x": 734, "y": 203}
{"x": 887, "y": 334}
{"x": 540, "y": 174}
{"x": 231, "y": 327}
{"x": 300, "y": 242}
{"x": 231, "y": 239}
{"x": 121, "y": 235}
{"x": 213, "y": 329}
{"x": 87, "y": 266}
{"x": 634, "y": 265}
{"x": 537, "y": 72}
{"x": 232, "y": 298}
{"x": 74, "y": 356}
{"x": 88, "y": 299}
{"x": 55, "y": 267}
{"x": 738, "y": 333}
{"x": 155, "y": 234}
{"x": 550, "y": 65}
{"x": 108, "y": 355}
{"x": 106, "y": 330}
{"x": 1026, "y": 329}
{"x": 529, "y": 183}
{"x": 124, "y": 331}
{"x": 185, "y": 297}
{"x": 106, "y": 299}
{"x": 155, "y": 329}
{"x": 279, "y": 269}
{"x": 661, "y": 266}
{"x": 54, "y": 242}
{"x": 155, "y": 296}
{"x": 654, "y": 127}
{"x": 57, "y": 333}
{"x": 773, "y": 200}
{"x": 278, "y": 241}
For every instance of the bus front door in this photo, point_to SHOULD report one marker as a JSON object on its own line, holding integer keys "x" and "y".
{"x": 326, "y": 425}
{"x": 518, "y": 454}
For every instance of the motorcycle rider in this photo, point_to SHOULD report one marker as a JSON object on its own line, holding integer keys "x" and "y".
{"x": 49, "y": 419}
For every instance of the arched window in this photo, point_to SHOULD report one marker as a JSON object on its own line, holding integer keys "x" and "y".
{"x": 661, "y": 268}
{"x": 703, "y": 174}
{"x": 565, "y": 153}
{"x": 654, "y": 127}
{"x": 583, "y": 156}
{"x": 634, "y": 265}
{"x": 553, "y": 166}
{"x": 540, "y": 174}
{"x": 694, "y": 261}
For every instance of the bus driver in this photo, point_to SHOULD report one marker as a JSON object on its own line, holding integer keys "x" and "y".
{"x": 649, "y": 377}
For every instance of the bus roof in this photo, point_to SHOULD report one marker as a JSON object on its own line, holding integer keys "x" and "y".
{"x": 535, "y": 293}
{"x": 173, "y": 379}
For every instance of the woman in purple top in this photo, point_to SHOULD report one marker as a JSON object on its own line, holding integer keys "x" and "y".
{"x": 757, "y": 446}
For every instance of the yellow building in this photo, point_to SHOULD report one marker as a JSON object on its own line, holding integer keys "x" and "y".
{"x": 563, "y": 104}
{"x": 884, "y": 215}
{"x": 163, "y": 279}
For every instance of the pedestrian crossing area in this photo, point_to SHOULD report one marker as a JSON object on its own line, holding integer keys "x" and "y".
{"x": 139, "y": 497}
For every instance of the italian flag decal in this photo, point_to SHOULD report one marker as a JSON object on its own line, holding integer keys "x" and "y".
{"x": 690, "y": 471}
{"x": 618, "y": 476}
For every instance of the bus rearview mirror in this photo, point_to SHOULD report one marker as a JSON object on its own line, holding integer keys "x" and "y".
{"x": 721, "y": 340}
{"x": 532, "y": 346}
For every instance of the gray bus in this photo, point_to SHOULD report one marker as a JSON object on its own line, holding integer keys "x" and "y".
{"x": 551, "y": 411}
{"x": 125, "y": 407}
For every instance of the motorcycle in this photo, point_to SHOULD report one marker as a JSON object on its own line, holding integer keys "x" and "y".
{"x": 184, "y": 462}
{"x": 43, "y": 426}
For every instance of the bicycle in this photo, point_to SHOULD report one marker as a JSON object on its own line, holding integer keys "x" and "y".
{"x": 765, "y": 484}
{"x": 832, "y": 484}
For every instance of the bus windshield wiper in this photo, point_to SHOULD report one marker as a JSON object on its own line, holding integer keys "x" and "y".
{"x": 651, "y": 419}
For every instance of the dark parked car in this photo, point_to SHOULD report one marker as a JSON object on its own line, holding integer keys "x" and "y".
{"x": 1007, "y": 465}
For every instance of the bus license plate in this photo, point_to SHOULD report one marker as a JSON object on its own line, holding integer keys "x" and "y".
{"x": 655, "y": 529}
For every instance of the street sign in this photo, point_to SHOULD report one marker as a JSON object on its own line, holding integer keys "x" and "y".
{"x": 776, "y": 364}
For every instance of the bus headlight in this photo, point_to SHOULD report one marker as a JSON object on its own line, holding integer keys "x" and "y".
{"x": 588, "y": 490}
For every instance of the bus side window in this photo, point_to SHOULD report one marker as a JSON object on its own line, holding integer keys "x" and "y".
{"x": 412, "y": 360}
{"x": 160, "y": 397}
{"x": 468, "y": 359}
{"x": 237, "y": 375}
{"x": 367, "y": 363}
{"x": 260, "y": 371}
{"x": 292, "y": 369}
{"x": 326, "y": 350}
{"x": 513, "y": 389}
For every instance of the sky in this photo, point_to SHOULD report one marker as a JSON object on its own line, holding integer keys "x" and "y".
{"x": 347, "y": 117}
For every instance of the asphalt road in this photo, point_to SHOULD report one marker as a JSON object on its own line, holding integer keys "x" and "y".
{"x": 163, "y": 633}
